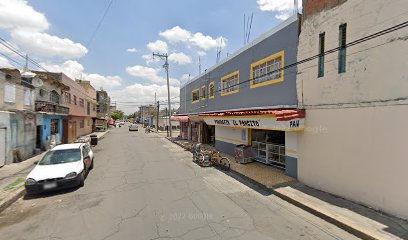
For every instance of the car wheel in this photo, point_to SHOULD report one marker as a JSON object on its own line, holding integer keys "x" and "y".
{"x": 82, "y": 180}
{"x": 92, "y": 164}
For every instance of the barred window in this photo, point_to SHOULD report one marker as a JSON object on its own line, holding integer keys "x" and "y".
{"x": 230, "y": 84}
{"x": 211, "y": 90}
{"x": 268, "y": 70}
{"x": 195, "y": 96}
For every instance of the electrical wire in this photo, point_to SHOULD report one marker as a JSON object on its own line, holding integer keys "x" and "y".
{"x": 99, "y": 24}
{"x": 350, "y": 44}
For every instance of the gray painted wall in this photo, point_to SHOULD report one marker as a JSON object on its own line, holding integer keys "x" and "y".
{"x": 282, "y": 93}
{"x": 225, "y": 147}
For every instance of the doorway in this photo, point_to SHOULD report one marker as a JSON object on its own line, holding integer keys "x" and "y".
{"x": 38, "y": 137}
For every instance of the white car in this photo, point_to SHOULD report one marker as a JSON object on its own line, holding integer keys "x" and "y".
{"x": 63, "y": 166}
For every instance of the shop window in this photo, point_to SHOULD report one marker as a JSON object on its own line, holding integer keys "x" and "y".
{"x": 268, "y": 70}
{"x": 54, "y": 126}
{"x": 211, "y": 90}
{"x": 195, "y": 96}
{"x": 230, "y": 84}
{"x": 81, "y": 102}
{"x": 321, "y": 54}
{"x": 203, "y": 93}
{"x": 342, "y": 48}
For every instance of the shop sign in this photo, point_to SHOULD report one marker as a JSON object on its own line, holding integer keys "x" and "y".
{"x": 256, "y": 122}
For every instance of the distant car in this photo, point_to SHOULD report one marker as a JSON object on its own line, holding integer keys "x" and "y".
{"x": 64, "y": 166}
{"x": 133, "y": 127}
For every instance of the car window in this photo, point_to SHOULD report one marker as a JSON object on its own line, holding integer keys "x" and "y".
{"x": 61, "y": 156}
{"x": 85, "y": 152}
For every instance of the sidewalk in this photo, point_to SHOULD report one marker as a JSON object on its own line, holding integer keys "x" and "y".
{"x": 12, "y": 177}
{"x": 359, "y": 220}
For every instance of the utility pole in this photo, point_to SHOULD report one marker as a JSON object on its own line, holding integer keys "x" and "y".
{"x": 166, "y": 66}
{"x": 157, "y": 119}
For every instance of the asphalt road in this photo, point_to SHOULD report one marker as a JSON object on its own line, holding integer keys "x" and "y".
{"x": 144, "y": 187}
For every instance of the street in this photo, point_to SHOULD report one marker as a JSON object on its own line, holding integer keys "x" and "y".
{"x": 145, "y": 187}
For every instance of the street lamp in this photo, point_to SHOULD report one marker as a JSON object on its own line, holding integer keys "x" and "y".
{"x": 166, "y": 67}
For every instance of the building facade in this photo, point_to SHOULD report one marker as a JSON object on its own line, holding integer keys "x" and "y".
{"x": 249, "y": 99}
{"x": 358, "y": 96}
{"x": 79, "y": 121}
{"x": 90, "y": 101}
{"x": 17, "y": 117}
{"x": 50, "y": 114}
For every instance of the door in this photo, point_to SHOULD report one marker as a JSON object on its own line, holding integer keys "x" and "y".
{"x": 38, "y": 137}
{"x": 65, "y": 127}
{"x": 2, "y": 146}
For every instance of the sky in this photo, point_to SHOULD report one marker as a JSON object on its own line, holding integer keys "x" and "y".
{"x": 116, "y": 53}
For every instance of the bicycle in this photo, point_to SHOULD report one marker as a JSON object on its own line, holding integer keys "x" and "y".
{"x": 214, "y": 158}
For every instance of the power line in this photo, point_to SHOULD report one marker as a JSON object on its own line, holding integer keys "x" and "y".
{"x": 99, "y": 24}
{"x": 11, "y": 59}
{"x": 13, "y": 49}
{"x": 350, "y": 44}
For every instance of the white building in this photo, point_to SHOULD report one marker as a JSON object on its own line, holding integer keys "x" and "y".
{"x": 355, "y": 139}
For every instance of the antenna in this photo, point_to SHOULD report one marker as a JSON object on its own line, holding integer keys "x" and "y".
{"x": 247, "y": 27}
{"x": 199, "y": 66}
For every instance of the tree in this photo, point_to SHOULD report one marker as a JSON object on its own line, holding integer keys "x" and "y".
{"x": 118, "y": 114}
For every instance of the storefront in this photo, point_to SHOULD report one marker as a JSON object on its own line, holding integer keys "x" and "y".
{"x": 271, "y": 133}
{"x": 184, "y": 125}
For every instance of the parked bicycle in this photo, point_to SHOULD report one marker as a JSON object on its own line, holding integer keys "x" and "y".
{"x": 214, "y": 158}
{"x": 196, "y": 150}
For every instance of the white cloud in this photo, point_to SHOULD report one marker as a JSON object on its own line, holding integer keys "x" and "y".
{"x": 198, "y": 39}
{"x": 201, "y": 53}
{"x": 4, "y": 63}
{"x": 132, "y": 50}
{"x": 206, "y": 42}
{"x": 18, "y": 14}
{"x": 45, "y": 45}
{"x": 132, "y": 96}
{"x": 150, "y": 74}
{"x": 149, "y": 58}
{"x": 176, "y": 34}
{"x": 158, "y": 46}
{"x": 180, "y": 58}
{"x": 75, "y": 70}
{"x": 282, "y": 8}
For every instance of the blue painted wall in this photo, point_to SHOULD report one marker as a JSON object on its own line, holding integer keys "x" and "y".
{"x": 46, "y": 127}
{"x": 282, "y": 38}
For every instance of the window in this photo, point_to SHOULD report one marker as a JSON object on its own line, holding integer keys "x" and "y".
{"x": 342, "y": 47}
{"x": 54, "y": 126}
{"x": 10, "y": 93}
{"x": 75, "y": 100}
{"x": 211, "y": 90}
{"x": 195, "y": 96}
{"x": 27, "y": 97}
{"x": 268, "y": 71}
{"x": 81, "y": 102}
{"x": 321, "y": 54}
{"x": 89, "y": 122}
{"x": 67, "y": 97}
{"x": 93, "y": 107}
{"x": 203, "y": 93}
{"x": 54, "y": 97}
{"x": 88, "y": 108}
{"x": 81, "y": 124}
{"x": 230, "y": 84}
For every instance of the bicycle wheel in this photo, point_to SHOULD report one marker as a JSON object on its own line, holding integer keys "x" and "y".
{"x": 201, "y": 159}
{"x": 225, "y": 164}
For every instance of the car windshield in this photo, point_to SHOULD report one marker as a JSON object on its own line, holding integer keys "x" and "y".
{"x": 61, "y": 156}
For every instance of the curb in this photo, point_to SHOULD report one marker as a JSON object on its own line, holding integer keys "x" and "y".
{"x": 264, "y": 189}
{"x": 12, "y": 197}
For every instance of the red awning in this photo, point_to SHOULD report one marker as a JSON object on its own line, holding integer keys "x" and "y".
{"x": 281, "y": 114}
{"x": 179, "y": 118}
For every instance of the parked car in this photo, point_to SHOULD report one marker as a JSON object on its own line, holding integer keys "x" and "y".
{"x": 133, "y": 127}
{"x": 63, "y": 166}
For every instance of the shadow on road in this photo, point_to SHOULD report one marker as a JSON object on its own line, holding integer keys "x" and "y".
{"x": 50, "y": 193}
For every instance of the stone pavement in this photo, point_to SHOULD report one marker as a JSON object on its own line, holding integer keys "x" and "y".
{"x": 359, "y": 220}
{"x": 12, "y": 177}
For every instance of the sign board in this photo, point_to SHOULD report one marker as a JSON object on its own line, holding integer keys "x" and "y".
{"x": 267, "y": 122}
